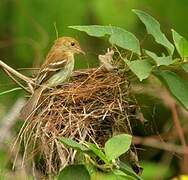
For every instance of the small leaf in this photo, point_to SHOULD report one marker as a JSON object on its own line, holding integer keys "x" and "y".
{"x": 185, "y": 67}
{"x": 121, "y": 175}
{"x": 9, "y": 91}
{"x": 127, "y": 170}
{"x": 73, "y": 144}
{"x": 141, "y": 68}
{"x": 98, "y": 152}
{"x": 166, "y": 60}
{"x": 103, "y": 176}
{"x": 176, "y": 85}
{"x": 118, "y": 36}
{"x": 153, "y": 28}
{"x": 181, "y": 44}
{"x": 71, "y": 172}
{"x": 113, "y": 175}
{"x": 117, "y": 145}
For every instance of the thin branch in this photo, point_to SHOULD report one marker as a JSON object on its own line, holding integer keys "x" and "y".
{"x": 170, "y": 102}
{"x": 16, "y": 73}
{"x": 28, "y": 80}
{"x": 28, "y": 69}
{"x": 155, "y": 143}
{"x": 9, "y": 120}
{"x": 180, "y": 134}
{"x": 16, "y": 81}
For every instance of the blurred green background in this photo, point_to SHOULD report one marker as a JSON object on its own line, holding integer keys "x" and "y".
{"x": 27, "y": 30}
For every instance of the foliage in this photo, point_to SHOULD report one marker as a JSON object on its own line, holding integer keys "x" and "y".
{"x": 118, "y": 36}
{"x": 124, "y": 140}
{"x": 143, "y": 66}
{"x": 73, "y": 172}
{"x": 111, "y": 168}
{"x": 153, "y": 28}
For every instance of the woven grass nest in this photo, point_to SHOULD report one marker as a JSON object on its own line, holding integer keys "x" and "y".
{"x": 93, "y": 106}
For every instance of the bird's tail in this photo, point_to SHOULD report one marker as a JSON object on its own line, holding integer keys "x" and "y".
{"x": 28, "y": 110}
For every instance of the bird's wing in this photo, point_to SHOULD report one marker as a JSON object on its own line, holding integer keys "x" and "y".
{"x": 54, "y": 62}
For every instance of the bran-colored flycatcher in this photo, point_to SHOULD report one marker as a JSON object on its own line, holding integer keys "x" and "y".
{"x": 56, "y": 69}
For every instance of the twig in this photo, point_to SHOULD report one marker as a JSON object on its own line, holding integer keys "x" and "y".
{"x": 28, "y": 80}
{"x": 155, "y": 143}
{"x": 28, "y": 69}
{"x": 172, "y": 105}
{"x": 17, "y": 82}
{"x": 170, "y": 102}
{"x": 16, "y": 73}
{"x": 180, "y": 134}
{"x": 9, "y": 120}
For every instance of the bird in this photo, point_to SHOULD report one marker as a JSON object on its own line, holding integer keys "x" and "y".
{"x": 56, "y": 69}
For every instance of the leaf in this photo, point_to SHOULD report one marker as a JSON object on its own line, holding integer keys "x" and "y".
{"x": 71, "y": 172}
{"x": 141, "y": 68}
{"x": 166, "y": 60}
{"x": 181, "y": 44}
{"x": 113, "y": 175}
{"x": 127, "y": 170}
{"x": 176, "y": 85}
{"x": 121, "y": 175}
{"x": 103, "y": 176}
{"x": 73, "y": 144}
{"x": 9, "y": 91}
{"x": 117, "y": 145}
{"x": 98, "y": 152}
{"x": 153, "y": 28}
{"x": 185, "y": 67}
{"x": 118, "y": 36}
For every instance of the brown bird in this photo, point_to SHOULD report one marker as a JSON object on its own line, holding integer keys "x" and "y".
{"x": 56, "y": 69}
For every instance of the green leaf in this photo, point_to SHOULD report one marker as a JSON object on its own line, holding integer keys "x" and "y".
{"x": 118, "y": 36}
{"x": 176, "y": 85}
{"x": 153, "y": 28}
{"x": 9, "y": 91}
{"x": 166, "y": 60}
{"x": 73, "y": 144}
{"x": 181, "y": 44}
{"x": 103, "y": 176}
{"x": 127, "y": 170}
{"x": 185, "y": 67}
{"x": 78, "y": 172}
{"x": 121, "y": 175}
{"x": 141, "y": 68}
{"x": 117, "y": 145}
{"x": 113, "y": 175}
{"x": 97, "y": 151}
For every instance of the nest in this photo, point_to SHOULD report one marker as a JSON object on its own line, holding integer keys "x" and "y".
{"x": 93, "y": 106}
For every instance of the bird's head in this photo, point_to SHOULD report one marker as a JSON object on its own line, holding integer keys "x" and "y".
{"x": 68, "y": 44}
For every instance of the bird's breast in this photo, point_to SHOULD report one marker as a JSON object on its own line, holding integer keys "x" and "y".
{"x": 63, "y": 74}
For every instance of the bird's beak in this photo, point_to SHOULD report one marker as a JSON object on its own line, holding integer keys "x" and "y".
{"x": 81, "y": 51}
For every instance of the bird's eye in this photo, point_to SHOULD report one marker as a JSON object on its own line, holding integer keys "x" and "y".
{"x": 72, "y": 43}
